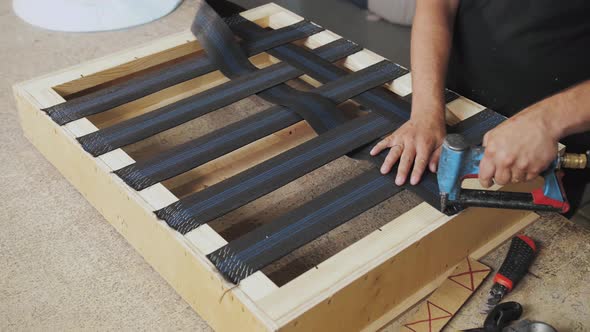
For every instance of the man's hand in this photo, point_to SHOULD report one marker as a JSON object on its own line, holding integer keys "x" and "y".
{"x": 417, "y": 142}
{"x": 519, "y": 149}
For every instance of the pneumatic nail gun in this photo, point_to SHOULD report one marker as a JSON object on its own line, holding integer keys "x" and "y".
{"x": 459, "y": 161}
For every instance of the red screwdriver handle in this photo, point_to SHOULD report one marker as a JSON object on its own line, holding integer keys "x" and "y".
{"x": 518, "y": 260}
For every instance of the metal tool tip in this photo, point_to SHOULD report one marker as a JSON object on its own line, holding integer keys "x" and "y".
{"x": 443, "y": 202}
{"x": 495, "y": 296}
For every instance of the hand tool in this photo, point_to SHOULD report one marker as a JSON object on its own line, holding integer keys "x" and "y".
{"x": 519, "y": 258}
{"x": 459, "y": 161}
{"x": 504, "y": 314}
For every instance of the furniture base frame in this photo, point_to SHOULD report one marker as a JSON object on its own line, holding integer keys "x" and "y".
{"x": 362, "y": 287}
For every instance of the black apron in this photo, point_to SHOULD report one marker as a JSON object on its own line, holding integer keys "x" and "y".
{"x": 510, "y": 54}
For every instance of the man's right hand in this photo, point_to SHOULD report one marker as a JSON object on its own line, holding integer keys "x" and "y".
{"x": 418, "y": 142}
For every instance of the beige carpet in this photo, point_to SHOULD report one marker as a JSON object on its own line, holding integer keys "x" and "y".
{"x": 62, "y": 267}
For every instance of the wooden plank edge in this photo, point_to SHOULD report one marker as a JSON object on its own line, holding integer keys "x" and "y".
{"x": 188, "y": 271}
{"x": 133, "y": 59}
{"x": 433, "y": 285}
{"x": 384, "y": 259}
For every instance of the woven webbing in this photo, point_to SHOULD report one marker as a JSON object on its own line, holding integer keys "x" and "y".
{"x": 215, "y": 144}
{"x": 338, "y": 134}
{"x": 159, "y": 79}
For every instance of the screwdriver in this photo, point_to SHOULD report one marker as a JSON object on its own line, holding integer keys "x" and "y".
{"x": 520, "y": 256}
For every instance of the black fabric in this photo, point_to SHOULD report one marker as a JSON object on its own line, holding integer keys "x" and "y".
{"x": 272, "y": 241}
{"x": 473, "y": 128}
{"x": 338, "y": 136}
{"x": 509, "y": 54}
{"x": 151, "y": 123}
{"x": 252, "y": 251}
{"x": 212, "y": 202}
{"x": 225, "y": 8}
{"x": 391, "y": 112}
{"x": 378, "y": 99}
{"x": 219, "y": 42}
{"x": 215, "y": 144}
{"x": 156, "y": 80}
{"x": 148, "y": 124}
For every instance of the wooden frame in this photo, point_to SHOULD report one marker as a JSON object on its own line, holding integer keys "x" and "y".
{"x": 362, "y": 287}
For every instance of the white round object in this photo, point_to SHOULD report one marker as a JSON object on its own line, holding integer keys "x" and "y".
{"x": 91, "y": 15}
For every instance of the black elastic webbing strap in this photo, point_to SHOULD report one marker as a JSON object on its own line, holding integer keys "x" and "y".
{"x": 251, "y": 252}
{"x": 265, "y": 244}
{"x": 241, "y": 260}
{"x": 194, "y": 153}
{"x": 148, "y": 124}
{"x": 217, "y": 200}
{"x": 143, "y": 126}
{"x": 159, "y": 79}
{"x": 396, "y": 109}
{"x": 201, "y": 150}
{"x": 219, "y": 42}
{"x": 355, "y": 83}
{"x": 474, "y": 127}
{"x": 212, "y": 202}
{"x": 378, "y": 99}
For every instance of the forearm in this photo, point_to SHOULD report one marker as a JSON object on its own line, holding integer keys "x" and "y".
{"x": 564, "y": 113}
{"x": 523, "y": 146}
{"x": 432, "y": 31}
{"x": 417, "y": 142}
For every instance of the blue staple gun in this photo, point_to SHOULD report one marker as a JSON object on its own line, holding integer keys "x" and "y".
{"x": 459, "y": 161}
